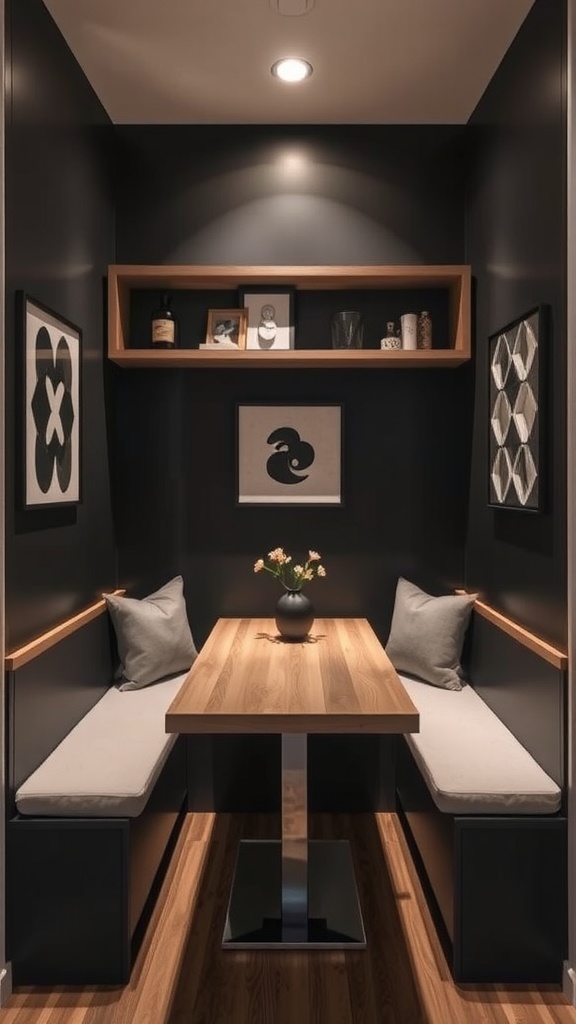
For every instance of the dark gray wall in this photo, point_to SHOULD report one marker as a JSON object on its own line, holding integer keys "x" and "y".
{"x": 59, "y": 240}
{"x": 257, "y": 194}
{"x": 271, "y": 195}
{"x": 516, "y": 243}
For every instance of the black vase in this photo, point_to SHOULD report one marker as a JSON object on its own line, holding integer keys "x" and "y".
{"x": 294, "y": 615}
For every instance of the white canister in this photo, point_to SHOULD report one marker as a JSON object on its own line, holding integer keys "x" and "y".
{"x": 409, "y": 330}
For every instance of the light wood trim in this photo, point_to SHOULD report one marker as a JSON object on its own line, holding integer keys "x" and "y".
{"x": 245, "y": 680}
{"x": 368, "y": 359}
{"x": 535, "y": 643}
{"x": 460, "y": 305}
{"x": 123, "y": 278}
{"x": 22, "y": 655}
{"x": 314, "y": 277}
{"x": 553, "y": 655}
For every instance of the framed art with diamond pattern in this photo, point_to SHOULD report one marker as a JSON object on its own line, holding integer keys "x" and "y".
{"x": 515, "y": 456}
{"x": 51, "y": 414}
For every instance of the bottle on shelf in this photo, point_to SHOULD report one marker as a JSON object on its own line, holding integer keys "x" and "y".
{"x": 424, "y": 330}
{"x": 163, "y": 325}
{"x": 408, "y": 327}
{"x": 392, "y": 339}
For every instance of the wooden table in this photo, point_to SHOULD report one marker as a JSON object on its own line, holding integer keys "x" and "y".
{"x": 293, "y": 892}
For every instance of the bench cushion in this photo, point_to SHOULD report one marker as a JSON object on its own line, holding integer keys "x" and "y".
{"x": 470, "y": 761}
{"x": 108, "y": 764}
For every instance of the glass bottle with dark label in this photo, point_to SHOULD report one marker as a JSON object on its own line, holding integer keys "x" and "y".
{"x": 164, "y": 327}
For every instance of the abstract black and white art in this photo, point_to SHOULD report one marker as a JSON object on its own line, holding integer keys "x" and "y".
{"x": 52, "y": 407}
{"x": 289, "y": 454}
{"x": 270, "y": 317}
{"x": 515, "y": 420}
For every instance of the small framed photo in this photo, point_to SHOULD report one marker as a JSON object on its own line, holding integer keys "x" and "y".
{"x": 51, "y": 428}
{"x": 516, "y": 458}
{"x": 226, "y": 328}
{"x": 270, "y": 317}
{"x": 289, "y": 454}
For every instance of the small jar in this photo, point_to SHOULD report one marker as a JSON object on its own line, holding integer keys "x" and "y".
{"x": 392, "y": 339}
{"x": 424, "y": 330}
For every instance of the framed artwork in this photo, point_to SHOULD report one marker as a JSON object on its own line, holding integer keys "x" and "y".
{"x": 226, "y": 328}
{"x": 51, "y": 407}
{"x": 289, "y": 454}
{"x": 515, "y": 452}
{"x": 270, "y": 317}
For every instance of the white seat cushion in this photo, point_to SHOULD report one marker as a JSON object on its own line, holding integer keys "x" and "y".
{"x": 108, "y": 764}
{"x": 470, "y": 761}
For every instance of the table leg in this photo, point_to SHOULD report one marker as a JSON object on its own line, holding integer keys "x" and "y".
{"x": 294, "y": 893}
{"x": 294, "y": 838}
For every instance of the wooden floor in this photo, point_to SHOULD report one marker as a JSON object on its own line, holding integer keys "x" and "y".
{"x": 182, "y": 976}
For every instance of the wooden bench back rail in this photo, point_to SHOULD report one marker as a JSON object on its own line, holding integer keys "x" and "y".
{"x": 555, "y": 655}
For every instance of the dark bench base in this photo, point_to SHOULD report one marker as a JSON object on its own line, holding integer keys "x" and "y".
{"x": 499, "y": 884}
{"x": 79, "y": 886}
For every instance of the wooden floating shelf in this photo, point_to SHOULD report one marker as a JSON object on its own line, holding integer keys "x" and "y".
{"x": 290, "y": 359}
{"x": 123, "y": 279}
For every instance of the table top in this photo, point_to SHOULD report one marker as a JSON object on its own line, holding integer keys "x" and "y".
{"x": 247, "y": 680}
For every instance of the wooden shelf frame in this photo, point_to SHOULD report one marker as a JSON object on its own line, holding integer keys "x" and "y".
{"x": 123, "y": 278}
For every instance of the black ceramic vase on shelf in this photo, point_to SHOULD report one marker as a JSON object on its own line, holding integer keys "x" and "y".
{"x": 294, "y": 615}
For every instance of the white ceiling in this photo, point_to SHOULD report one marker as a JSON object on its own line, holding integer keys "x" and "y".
{"x": 208, "y": 61}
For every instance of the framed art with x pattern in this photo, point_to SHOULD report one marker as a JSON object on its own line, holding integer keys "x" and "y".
{"x": 51, "y": 407}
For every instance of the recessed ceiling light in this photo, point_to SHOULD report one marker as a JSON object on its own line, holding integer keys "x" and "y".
{"x": 292, "y": 69}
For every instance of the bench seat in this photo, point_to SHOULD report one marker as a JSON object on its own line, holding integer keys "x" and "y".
{"x": 108, "y": 764}
{"x": 470, "y": 762}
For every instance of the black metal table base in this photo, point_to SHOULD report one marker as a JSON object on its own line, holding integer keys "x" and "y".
{"x": 254, "y": 919}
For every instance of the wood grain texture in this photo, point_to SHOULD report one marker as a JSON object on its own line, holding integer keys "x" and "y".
{"x": 553, "y": 655}
{"x": 247, "y": 680}
{"x": 183, "y": 976}
{"x": 22, "y": 655}
{"x": 290, "y": 359}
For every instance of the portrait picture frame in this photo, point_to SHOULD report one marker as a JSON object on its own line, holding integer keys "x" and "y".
{"x": 50, "y": 434}
{"x": 516, "y": 457}
{"x": 226, "y": 328}
{"x": 270, "y": 317}
{"x": 289, "y": 453}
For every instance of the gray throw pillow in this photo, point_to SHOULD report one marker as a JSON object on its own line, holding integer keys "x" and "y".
{"x": 153, "y": 635}
{"x": 427, "y": 634}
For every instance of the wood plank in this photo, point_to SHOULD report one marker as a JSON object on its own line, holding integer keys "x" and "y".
{"x": 312, "y": 277}
{"x": 292, "y": 359}
{"x": 247, "y": 680}
{"x": 22, "y": 655}
{"x": 554, "y": 655}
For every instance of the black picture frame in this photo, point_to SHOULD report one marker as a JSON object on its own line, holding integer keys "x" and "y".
{"x": 516, "y": 467}
{"x": 274, "y": 332}
{"x": 289, "y": 453}
{"x": 50, "y": 385}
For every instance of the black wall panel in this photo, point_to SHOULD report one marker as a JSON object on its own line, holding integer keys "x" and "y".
{"x": 59, "y": 240}
{"x": 516, "y": 243}
{"x": 272, "y": 195}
